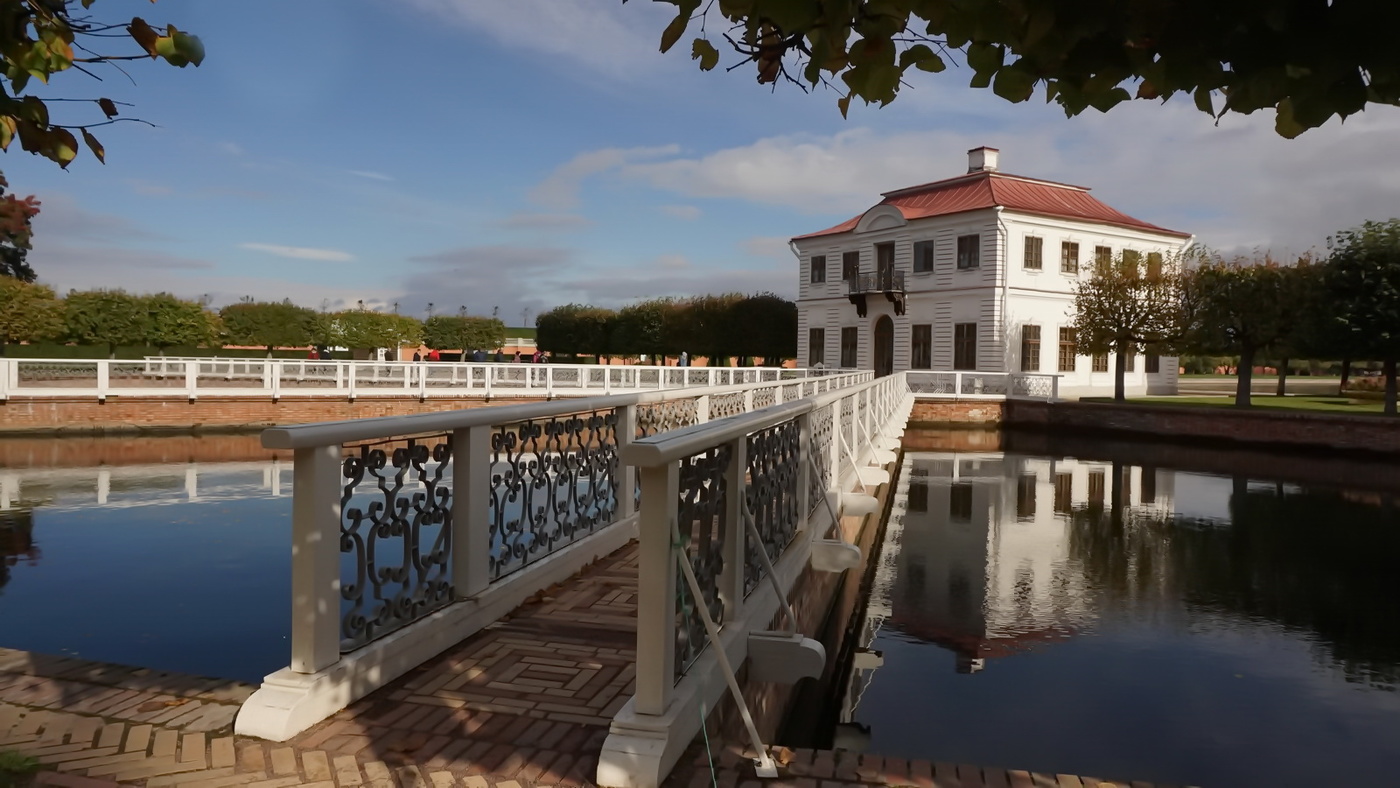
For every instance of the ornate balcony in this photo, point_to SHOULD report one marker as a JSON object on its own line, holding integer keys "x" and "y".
{"x": 889, "y": 282}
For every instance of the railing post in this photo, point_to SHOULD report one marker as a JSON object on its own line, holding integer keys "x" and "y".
{"x": 626, "y": 432}
{"x": 731, "y": 578}
{"x": 702, "y": 408}
{"x": 656, "y": 589}
{"x": 1055, "y": 388}
{"x": 957, "y": 383}
{"x": 471, "y": 510}
{"x": 316, "y": 559}
{"x": 549, "y": 381}
{"x": 350, "y": 377}
{"x": 748, "y": 400}
{"x": 103, "y": 378}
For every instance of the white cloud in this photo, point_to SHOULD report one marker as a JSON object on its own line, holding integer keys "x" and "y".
{"x": 688, "y": 213}
{"x": 672, "y": 262}
{"x": 374, "y": 176}
{"x": 544, "y": 221}
{"x": 301, "y": 252}
{"x": 62, "y": 217}
{"x": 608, "y": 37}
{"x": 560, "y": 190}
{"x": 231, "y": 148}
{"x": 772, "y": 246}
{"x": 1236, "y": 184}
{"x": 147, "y": 188}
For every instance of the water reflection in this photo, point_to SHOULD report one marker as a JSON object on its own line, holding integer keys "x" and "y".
{"x": 1215, "y": 618}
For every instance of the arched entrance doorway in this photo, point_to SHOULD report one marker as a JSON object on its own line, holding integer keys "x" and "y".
{"x": 884, "y": 346}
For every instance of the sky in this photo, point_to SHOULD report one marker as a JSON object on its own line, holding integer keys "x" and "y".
{"x": 514, "y": 155}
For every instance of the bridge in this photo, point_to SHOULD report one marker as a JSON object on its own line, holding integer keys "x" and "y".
{"x": 559, "y": 592}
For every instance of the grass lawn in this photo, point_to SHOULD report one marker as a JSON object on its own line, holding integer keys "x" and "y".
{"x": 1260, "y": 377}
{"x": 1329, "y": 404}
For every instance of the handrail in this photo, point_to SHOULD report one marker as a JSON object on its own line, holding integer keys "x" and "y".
{"x": 334, "y": 432}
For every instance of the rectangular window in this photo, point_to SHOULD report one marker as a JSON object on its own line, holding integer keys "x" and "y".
{"x": 1069, "y": 350}
{"x": 1154, "y": 265}
{"x": 922, "y": 355}
{"x": 850, "y": 265}
{"x": 965, "y": 346}
{"x": 816, "y": 346}
{"x": 850, "y": 338}
{"x": 884, "y": 266}
{"x": 1153, "y": 363}
{"x": 960, "y": 503}
{"x": 1030, "y": 348}
{"x": 1100, "y": 362}
{"x": 1025, "y": 497}
{"x": 1096, "y": 479}
{"x": 818, "y": 270}
{"x": 1103, "y": 258}
{"x": 1069, "y": 258}
{"x": 918, "y": 496}
{"x": 923, "y": 256}
{"x": 1033, "y": 260}
{"x": 969, "y": 251}
{"x": 1130, "y": 362}
{"x": 1064, "y": 492}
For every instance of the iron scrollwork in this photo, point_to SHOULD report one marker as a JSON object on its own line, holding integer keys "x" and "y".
{"x": 666, "y": 416}
{"x": 552, "y": 481}
{"x": 770, "y": 497}
{"x": 399, "y": 541}
{"x": 726, "y": 405}
{"x": 702, "y": 516}
{"x": 822, "y": 434}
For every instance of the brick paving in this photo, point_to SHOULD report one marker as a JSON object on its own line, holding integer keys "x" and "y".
{"x": 525, "y": 703}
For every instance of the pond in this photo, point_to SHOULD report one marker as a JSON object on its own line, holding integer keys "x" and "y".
{"x": 1083, "y": 613}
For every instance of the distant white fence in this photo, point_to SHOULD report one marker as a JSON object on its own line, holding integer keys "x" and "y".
{"x": 192, "y": 378}
{"x": 989, "y": 385}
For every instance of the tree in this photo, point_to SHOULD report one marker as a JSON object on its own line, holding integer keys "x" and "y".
{"x": 451, "y": 332}
{"x": 106, "y": 317}
{"x": 1307, "y": 59}
{"x": 1364, "y": 282}
{"x": 268, "y": 324}
{"x": 16, "y": 231}
{"x": 1244, "y": 308}
{"x": 365, "y": 330}
{"x": 28, "y": 313}
{"x": 42, "y": 38}
{"x": 576, "y": 329}
{"x": 1120, "y": 309}
{"x": 768, "y": 326}
{"x": 705, "y": 326}
{"x": 640, "y": 329}
{"x": 177, "y": 322}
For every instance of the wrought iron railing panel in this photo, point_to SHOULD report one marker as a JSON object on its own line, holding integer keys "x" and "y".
{"x": 552, "y": 481}
{"x": 774, "y": 459}
{"x": 701, "y": 515}
{"x": 932, "y": 382}
{"x": 764, "y": 397}
{"x": 823, "y": 426}
{"x": 792, "y": 391}
{"x": 395, "y": 536}
{"x": 726, "y": 405}
{"x": 666, "y": 416}
{"x": 887, "y": 281}
{"x": 1033, "y": 386}
{"x": 566, "y": 376}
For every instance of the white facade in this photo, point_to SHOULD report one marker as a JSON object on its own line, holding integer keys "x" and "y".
{"x": 1002, "y": 300}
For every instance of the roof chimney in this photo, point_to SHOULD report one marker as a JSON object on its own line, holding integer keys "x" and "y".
{"x": 982, "y": 160}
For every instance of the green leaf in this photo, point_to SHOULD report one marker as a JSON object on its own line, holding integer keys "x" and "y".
{"x": 1013, "y": 84}
{"x": 984, "y": 58}
{"x": 143, "y": 34}
{"x": 920, "y": 56}
{"x": 108, "y": 107}
{"x": 189, "y": 47}
{"x": 95, "y": 146}
{"x": 64, "y": 147}
{"x": 1284, "y": 123}
{"x": 704, "y": 52}
{"x": 7, "y": 131}
{"x": 674, "y": 31}
{"x": 844, "y": 104}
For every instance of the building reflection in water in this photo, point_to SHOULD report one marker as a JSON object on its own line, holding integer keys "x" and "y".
{"x": 992, "y": 555}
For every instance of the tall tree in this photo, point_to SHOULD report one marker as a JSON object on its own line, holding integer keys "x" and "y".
{"x": 268, "y": 324}
{"x": 106, "y": 317}
{"x": 1121, "y": 308}
{"x": 39, "y": 39}
{"x": 1364, "y": 281}
{"x": 1308, "y": 60}
{"x": 365, "y": 330}
{"x": 177, "y": 322}
{"x": 454, "y": 332}
{"x": 1244, "y": 308}
{"x": 768, "y": 327}
{"x": 16, "y": 231}
{"x": 28, "y": 313}
{"x": 576, "y": 329}
{"x": 641, "y": 329}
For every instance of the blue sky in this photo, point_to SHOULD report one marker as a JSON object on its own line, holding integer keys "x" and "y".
{"x": 525, "y": 153}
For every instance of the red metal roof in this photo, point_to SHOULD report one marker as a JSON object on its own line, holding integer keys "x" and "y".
{"x": 981, "y": 190}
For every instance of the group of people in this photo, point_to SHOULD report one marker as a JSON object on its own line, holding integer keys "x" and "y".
{"x": 480, "y": 357}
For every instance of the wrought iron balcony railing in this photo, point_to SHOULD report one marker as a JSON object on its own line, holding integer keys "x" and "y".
{"x": 878, "y": 282}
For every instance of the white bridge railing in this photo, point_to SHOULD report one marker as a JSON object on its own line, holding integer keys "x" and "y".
{"x": 991, "y": 385}
{"x": 410, "y": 533}
{"x": 191, "y": 378}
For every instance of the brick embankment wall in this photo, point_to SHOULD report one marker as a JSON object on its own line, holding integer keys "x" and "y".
{"x": 118, "y": 415}
{"x": 86, "y": 451}
{"x": 1302, "y": 430}
{"x": 943, "y": 412}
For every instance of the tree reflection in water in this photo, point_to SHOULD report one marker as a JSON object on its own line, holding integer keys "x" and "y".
{"x": 16, "y": 541}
